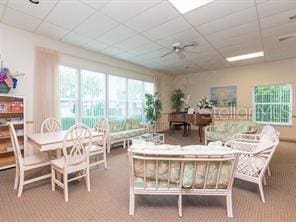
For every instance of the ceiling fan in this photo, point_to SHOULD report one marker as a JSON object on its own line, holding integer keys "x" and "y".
{"x": 178, "y": 48}
{"x": 289, "y": 36}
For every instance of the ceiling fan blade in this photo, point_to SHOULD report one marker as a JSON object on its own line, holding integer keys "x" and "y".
{"x": 168, "y": 53}
{"x": 190, "y": 45}
{"x": 283, "y": 38}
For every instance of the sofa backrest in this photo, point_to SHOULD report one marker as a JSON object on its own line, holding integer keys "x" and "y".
{"x": 122, "y": 125}
{"x": 234, "y": 126}
{"x": 178, "y": 171}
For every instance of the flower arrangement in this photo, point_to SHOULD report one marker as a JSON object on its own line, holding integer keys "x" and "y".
{"x": 8, "y": 80}
{"x": 205, "y": 103}
{"x": 187, "y": 100}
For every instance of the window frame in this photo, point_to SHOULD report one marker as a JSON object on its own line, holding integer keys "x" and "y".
{"x": 290, "y": 122}
{"x": 79, "y": 99}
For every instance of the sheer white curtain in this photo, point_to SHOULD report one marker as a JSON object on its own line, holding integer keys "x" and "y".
{"x": 46, "y": 86}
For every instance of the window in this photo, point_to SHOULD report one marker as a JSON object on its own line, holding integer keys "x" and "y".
{"x": 68, "y": 96}
{"x": 135, "y": 99}
{"x": 273, "y": 104}
{"x": 87, "y": 96}
{"x": 117, "y": 98}
{"x": 93, "y": 95}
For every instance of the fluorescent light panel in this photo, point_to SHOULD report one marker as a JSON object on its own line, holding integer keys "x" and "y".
{"x": 246, "y": 56}
{"x": 184, "y": 6}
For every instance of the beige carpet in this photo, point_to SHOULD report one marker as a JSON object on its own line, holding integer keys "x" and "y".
{"x": 108, "y": 199}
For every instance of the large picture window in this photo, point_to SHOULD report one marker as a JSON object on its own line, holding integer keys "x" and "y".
{"x": 273, "y": 104}
{"x": 117, "y": 97}
{"x": 87, "y": 96}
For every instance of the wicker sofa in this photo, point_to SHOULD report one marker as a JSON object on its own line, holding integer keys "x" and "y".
{"x": 120, "y": 131}
{"x": 225, "y": 130}
{"x": 175, "y": 170}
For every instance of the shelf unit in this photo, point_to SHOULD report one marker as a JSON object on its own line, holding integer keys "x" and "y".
{"x": 12, "y": 109}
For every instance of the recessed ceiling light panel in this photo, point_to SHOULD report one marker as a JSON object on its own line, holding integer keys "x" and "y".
{"x": 184, "y": 6}
{"x": 246, "y": 56}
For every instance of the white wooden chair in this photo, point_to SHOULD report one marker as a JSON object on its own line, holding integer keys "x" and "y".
{"x": 76, "y": 144}
{"x": 168, "y": 172}
{"x": 27, "y": 163}
{"x": 98, "y": 151}
{"x": 50, "y": 125}
{"x": 253, "y": 160}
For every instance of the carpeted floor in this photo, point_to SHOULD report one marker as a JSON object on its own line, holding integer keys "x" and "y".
{"x": 109, "y": 196}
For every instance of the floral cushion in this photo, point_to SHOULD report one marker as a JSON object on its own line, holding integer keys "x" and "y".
{"x": 174, "y": 176}
{"x": 225, "y": 130}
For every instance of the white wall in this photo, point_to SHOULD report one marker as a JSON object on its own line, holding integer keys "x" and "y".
{"x": 245, "y": 78}
{"x": 17, "y": 50}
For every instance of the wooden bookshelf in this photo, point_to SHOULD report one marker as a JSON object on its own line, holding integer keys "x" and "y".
{"x": 11, "y": 111}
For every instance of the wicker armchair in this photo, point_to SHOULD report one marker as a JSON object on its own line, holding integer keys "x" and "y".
{"x": 254, "y": 159}
{"x": 255, "y": 138}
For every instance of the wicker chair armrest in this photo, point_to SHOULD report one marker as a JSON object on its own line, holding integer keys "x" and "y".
{"x": 241, "y": 146}
{"x": 247, "y": 137}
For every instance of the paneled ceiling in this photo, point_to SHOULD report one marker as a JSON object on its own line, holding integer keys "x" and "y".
{"x": 140, "y": 31}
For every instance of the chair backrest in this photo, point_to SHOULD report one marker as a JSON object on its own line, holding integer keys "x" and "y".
{"x": 203, "y": 172}
{"x": 103, "y": 126}
{"x": 50, "y": 125}
{"x": 15, "y": 145}
{"x": 269, "y": 131}
{"x": 76, "y": 144}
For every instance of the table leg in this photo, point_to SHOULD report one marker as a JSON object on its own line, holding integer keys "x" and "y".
{"x": 185, "y": 130}
{"x": 200, "y": 133}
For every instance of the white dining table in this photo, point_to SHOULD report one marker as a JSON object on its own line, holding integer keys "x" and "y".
{"x": 51, "y": 141}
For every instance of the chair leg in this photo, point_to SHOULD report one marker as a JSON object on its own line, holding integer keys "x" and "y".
{"x": 132, "y": 204}
{"x": 229, "y": 205}
{"x": 180, "y": 206}
{"x": 108, "y": 147}
{"x": 88, "y": 179}
{"x": 21, "y": 185}
{"x": 261, "y": 191}
{"x": 52, "y": 179}
{"x": 16, "y": 179}
{"x": 66, "y": 193}
{"x": 105, "y": 160}
{"x": 264, "y": 180}
{"x": 268, "y": 171}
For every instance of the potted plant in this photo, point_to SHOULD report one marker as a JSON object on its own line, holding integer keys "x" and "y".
{"x": 153, "y": 107}
{"x": 177, "y": 99}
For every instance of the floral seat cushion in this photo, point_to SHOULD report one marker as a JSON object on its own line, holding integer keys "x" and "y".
{"x": 169, "y": 174}
{"x": 225, "y": 130}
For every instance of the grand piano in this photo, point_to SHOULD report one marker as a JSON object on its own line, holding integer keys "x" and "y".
{"x": 185, "y": 119}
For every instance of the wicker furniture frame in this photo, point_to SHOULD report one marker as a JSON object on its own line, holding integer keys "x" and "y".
{"x": 247, "y": 168}
{"x": 182, "y": 158}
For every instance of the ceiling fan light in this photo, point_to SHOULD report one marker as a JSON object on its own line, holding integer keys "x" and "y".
{"x": 245, "y": 56}
{"x": 185, "y": 6}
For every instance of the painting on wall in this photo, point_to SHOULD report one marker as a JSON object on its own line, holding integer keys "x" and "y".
{"x": 224, "y": 96}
